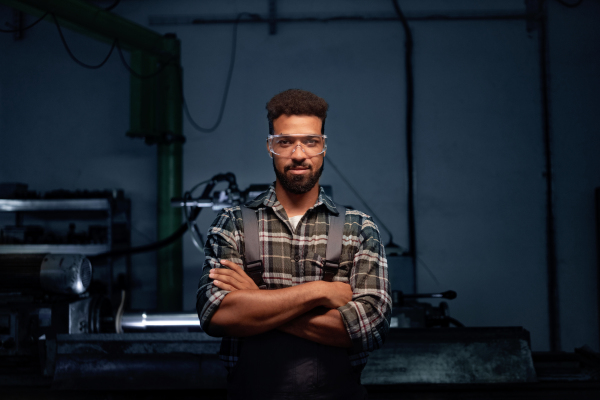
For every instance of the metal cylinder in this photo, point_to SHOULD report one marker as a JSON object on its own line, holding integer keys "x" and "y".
{"x": 162, "y": 321}
{"x": 57, "y": 273}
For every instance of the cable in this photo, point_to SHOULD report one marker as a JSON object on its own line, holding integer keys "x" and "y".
{"x": 113, "y": 5}
{"x": 136, "y": 74}
{"x": 194, "y": 124}
{"x": 192, "y": 227}
{"x": 330, "y": 161}
{"x": 109, "y": 8}
{"x": 197, "y": 186}
{"x": 409, "y": 127}
{"x": 408, "y": 49}
{"x": 145, "y": 248}
{"x": 570, "y": 5}
{"x": 27, "y": 27}
{"x": 229, "y": 177}
{"x": 119, "y": 315}
{"x": 161, "y": 68}
{"x": 73, "y": 56}
{"x": 429, "y": 271}
{"x": 114, "y": 44}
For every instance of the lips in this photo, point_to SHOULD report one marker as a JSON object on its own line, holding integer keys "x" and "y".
{"x": 298, "y": 171}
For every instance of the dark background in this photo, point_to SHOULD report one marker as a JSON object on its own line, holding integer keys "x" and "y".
{"x": 478, "y": 135}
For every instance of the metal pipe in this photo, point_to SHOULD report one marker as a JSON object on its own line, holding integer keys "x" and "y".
{"x": 142, "y": 106}
{"x": 170, "y": 183}
{"x": 382, "y": 17}
{"x": 142, "y": 321}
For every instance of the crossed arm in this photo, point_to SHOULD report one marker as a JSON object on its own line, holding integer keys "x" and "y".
{"x": 308, "y": 310}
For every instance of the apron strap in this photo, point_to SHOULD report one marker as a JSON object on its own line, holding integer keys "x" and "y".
{"x": 252, "y": 261}
{"x": 334, "y": 244}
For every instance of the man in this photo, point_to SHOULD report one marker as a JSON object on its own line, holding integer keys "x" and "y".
{"x": 303, "y": 337}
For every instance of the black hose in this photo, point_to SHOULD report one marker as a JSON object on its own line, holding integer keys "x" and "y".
{"x": 149, "y": 247}
{"x": 229, "y": 177}
{"x": 408, "y": 44}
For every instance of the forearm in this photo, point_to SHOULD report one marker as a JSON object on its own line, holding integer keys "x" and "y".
{"x": 321, "y": 325}
{"x": 250, "y": 312}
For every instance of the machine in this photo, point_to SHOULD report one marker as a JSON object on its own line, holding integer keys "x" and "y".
{"x": 56, "y": 332}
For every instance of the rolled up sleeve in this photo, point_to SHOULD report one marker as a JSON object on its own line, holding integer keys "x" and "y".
{"x": 223, "y": 242}
{"x": 367, "y": 316}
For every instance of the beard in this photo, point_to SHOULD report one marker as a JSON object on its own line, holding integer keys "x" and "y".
{"x": 298, "y": 184}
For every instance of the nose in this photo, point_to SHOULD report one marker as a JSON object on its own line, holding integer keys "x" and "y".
{"x": 298, "y": 153}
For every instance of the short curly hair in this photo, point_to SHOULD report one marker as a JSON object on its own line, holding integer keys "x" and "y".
{"x": 296, "y": 102}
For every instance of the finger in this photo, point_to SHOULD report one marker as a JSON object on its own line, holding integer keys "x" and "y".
{"x": 233, "y": 278}
{"x": 224, "y": 286}
{"x": 235, "y": 284}
{"x": 226, "y": 272}
{"x": 231, "y": 264}
{"x": 224, "y": 276}
{"x": 234, "y": 267}
{"x": 238, "y": 269}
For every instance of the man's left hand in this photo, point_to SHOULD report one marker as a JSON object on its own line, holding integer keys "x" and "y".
{"x": 231, "y": 278}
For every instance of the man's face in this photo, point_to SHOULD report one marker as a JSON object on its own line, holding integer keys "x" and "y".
{"x": 300, "y": 173}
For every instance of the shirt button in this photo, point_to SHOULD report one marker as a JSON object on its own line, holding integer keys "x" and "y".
{"x": 297, "y": 258}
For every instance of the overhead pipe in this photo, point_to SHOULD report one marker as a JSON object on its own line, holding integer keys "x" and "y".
{"x": 273, "y": 19}
{"x": 96, "y": 22}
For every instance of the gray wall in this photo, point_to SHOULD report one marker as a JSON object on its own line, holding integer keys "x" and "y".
{"x": 478, "y": 137}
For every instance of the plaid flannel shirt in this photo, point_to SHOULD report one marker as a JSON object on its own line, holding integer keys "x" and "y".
{"x": 295, "y": 256}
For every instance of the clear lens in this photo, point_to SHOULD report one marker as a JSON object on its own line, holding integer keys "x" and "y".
{"x": 286, "y": 145}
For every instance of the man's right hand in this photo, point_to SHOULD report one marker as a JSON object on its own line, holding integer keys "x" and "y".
{"x": 337, "y": 294}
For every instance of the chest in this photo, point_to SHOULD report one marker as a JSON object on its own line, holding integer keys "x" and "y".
{"x": 292, "y": 256}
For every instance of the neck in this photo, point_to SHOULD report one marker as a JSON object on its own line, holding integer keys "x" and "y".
{"x": 296, "y": 204}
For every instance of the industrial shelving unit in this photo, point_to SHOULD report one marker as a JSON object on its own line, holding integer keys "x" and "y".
{"x": 111, "y": 213}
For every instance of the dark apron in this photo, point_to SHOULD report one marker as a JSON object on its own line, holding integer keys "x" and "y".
{"x": 276, "y": 365}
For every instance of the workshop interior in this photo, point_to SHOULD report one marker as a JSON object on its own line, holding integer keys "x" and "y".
{"x": 468, "y": 130}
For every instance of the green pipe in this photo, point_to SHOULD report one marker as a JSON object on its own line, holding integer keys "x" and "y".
{"x": 142, "y": 106}
{"x": 170, "y": 173}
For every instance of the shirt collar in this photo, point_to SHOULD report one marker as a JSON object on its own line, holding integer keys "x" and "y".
{"x": 269, "y": 199}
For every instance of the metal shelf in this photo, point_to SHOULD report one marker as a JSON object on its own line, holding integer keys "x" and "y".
{"x": 50, "y": 213}
{"x": 85, "y": 249}
{"x": 54, "y": 205}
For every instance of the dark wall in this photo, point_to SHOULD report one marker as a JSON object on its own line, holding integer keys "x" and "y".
{"x": 479, "y": 149}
